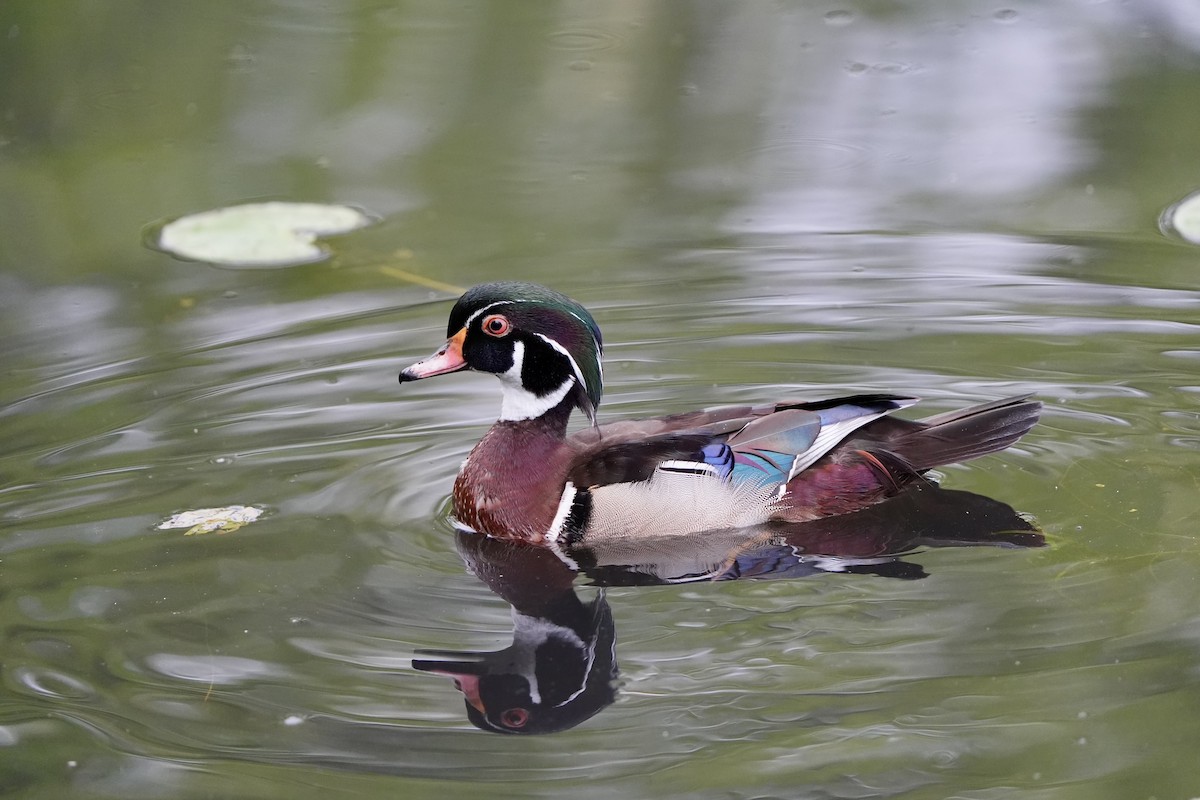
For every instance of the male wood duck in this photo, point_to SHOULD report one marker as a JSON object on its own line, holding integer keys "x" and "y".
{"x": 719, "y": 468}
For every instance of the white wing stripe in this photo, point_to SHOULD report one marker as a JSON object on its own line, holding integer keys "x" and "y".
{"x": 827, "y": 439}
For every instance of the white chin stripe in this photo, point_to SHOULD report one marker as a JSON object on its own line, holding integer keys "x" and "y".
{"x": 519, "y": 403}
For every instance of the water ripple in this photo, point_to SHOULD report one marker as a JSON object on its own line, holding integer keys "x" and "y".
{"x": 53, "y": 684}
{"x": 211, "y": 669}
{"x": 584, "y": 40}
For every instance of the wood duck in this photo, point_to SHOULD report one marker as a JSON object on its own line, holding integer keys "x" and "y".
{"x": 719, "y": 468}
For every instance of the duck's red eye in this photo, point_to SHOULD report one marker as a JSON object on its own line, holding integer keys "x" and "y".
{"x": 496, "y": 325}
{"x": 514, "y": 717}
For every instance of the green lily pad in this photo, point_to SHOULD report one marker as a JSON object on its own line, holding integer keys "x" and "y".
{"x": 258, "y": 235}
{"x": 1183, "y": 218}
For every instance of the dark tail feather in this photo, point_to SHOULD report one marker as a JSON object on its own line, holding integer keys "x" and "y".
{"x": 966, "y": 433}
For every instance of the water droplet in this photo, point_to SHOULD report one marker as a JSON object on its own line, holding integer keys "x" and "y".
{"x": 1006, "y": 15}
{"x": 839, "y": 18}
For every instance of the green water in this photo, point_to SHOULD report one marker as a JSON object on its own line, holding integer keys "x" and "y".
{"x": 756, "y": 200}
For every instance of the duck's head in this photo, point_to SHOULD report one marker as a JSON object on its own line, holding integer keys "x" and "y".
{"x": 544, "y": 347}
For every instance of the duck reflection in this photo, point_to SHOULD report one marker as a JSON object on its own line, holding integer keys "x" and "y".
{"x": 561, "y": 668}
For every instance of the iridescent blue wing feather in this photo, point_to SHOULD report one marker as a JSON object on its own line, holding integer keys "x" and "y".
{"x": 773, "y": 449}
{"x": 764, "y": 450}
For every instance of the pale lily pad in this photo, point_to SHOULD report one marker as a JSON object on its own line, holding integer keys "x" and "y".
{"x": 1183, "y": 218}
{"x": 207, "y": 520}
{"x": 258, "y": 235}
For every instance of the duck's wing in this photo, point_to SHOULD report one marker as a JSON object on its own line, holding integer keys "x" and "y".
{"x": 719, "y": 468}
{"x": 765, "y": 444}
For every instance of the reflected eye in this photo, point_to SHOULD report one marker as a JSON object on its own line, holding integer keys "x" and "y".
{"x": 496, "y": 325}
{"x": 514, "y": 718}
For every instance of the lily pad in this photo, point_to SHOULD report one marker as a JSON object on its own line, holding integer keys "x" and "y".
{"x": 1183, "y": 218}
{"x": 207, "y": 520}
{"x": 258, "y": 235}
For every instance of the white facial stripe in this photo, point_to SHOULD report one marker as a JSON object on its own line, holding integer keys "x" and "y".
{"x": 599, "y": 349}
{"x": 519, "y": 403}
{"x": 587, "y": 325}
{"x": 487, "y": 308}
{"x": 563, "y": 350}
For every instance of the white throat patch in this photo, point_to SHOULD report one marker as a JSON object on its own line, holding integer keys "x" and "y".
{"x": 519, "y": 403}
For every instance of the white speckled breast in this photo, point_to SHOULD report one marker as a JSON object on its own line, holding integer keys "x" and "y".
{"x": 675, "y": 503}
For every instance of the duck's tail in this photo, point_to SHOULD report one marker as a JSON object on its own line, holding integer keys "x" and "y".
{"x": 958, "y": 435}
{"x": 882, "y": 457}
